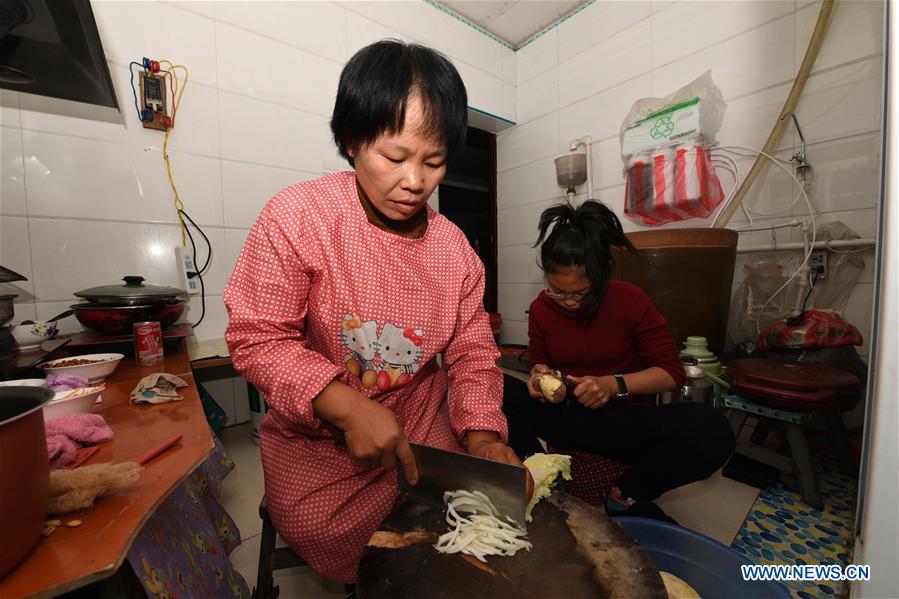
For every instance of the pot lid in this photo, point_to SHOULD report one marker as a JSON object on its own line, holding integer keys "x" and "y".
{"x": 8, "y": 276}
{"x": 133, "y": 288}
{"x": 697, "y": 347}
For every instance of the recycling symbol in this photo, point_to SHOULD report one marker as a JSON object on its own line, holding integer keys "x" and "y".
{"x": 663, "y": 128}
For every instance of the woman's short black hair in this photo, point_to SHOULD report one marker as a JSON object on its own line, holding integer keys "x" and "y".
{"x": 374, "y": 90}
{"x": 582, "y": 236}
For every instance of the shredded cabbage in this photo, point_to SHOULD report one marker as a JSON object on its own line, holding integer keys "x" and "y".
{"x": 480, "y": 532}
{"x": 544, "y": 468}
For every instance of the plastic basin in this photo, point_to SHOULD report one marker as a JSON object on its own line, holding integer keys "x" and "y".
{"x": 706, "y": 565}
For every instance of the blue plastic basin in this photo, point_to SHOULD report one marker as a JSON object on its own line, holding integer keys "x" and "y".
{"x": 706, "y": 565}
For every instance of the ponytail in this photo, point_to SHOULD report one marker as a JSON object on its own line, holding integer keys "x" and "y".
{"x": 582, "y": 236}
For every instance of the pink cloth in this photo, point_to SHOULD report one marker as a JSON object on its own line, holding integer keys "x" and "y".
{"x": 66, "y": 433}
{"x": 320, "y": 293}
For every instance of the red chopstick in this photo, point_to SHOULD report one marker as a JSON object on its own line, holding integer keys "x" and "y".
{"x": 83, "y": 455}
{"x": 157, "y": 450}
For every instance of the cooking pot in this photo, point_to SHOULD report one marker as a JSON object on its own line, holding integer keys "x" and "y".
{"x": 697, "y": 388}
{"x": 119, "y": 320}
{"x": 24, "y": 470}
{"x": 113, "y": 309}
{"x": 6, "y": 299}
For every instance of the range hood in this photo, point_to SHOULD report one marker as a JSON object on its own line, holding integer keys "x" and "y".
{"x": 52, "y": 48}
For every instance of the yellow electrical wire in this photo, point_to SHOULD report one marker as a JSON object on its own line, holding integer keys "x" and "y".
{"x": 178, "y": 91}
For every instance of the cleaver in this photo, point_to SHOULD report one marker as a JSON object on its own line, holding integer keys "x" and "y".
{"x": 440, "y": 470}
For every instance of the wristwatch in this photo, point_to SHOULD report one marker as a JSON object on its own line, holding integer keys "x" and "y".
{"x": 622, "y": 387}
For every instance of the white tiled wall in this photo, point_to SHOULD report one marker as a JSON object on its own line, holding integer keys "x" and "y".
{"x": 581, "y": 78}
{"x": 83, "y": 193}
{"x": 84, "y": 198}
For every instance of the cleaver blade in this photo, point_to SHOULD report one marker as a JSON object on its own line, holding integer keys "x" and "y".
{"x": 440, "y": 470}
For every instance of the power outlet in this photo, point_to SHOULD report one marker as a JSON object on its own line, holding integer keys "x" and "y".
{"x": 185, "y": 262}
{"x": 817, "y": 262}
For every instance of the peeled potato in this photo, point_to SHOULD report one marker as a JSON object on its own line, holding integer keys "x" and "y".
{"x": 552, "y": 387}
{"x": 677, "y": 588}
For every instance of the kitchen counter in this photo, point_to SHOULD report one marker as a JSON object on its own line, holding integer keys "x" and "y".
{"x": 74, "y": 557}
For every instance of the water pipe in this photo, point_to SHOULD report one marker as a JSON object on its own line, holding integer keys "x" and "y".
{"x": 587, "y": 142}
{"x": 803, "y": 274}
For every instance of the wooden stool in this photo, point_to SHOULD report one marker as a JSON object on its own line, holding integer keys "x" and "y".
{"x": 271, "y": 558}
{"x": 793, "y": 423}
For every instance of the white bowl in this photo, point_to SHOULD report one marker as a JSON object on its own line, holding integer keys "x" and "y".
{"x": 95, "y": 372}
{"x": 24, "y": 383}
{"x": 76, "y": 401}
{"x": 30, "y": 336}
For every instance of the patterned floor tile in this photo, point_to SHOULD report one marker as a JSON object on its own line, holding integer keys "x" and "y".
{"x": 780, "y": 529}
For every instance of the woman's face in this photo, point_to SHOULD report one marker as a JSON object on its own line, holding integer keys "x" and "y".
{"x": 568, "y": 286}
{"x": 398, "y": 172}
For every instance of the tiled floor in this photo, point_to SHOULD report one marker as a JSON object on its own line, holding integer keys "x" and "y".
{"x": 780, "y": 529}
{"x": 715, "y": 507}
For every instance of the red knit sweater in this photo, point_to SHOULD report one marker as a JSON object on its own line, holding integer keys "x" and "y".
{"x": 627, "y": 335}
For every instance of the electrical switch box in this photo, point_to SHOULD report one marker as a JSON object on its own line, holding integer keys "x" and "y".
{"x": 187, "y": 270}
{"x": 153, "y": 100}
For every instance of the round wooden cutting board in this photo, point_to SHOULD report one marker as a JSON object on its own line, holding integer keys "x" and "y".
{"x": 578, "y": 553}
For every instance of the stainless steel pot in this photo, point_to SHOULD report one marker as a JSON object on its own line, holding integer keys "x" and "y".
{"x": 697, "y": 388}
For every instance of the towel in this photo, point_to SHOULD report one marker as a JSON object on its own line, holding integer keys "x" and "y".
{"x": 67, "y": 433}
{"x": 158, "y": 387}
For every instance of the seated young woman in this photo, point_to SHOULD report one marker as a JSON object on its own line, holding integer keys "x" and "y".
{"x": 611, "y": 346}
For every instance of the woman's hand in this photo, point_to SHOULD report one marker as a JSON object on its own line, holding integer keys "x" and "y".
{"x": 534, "y": 381}
{"x": 374, "y": 437}
{"x": 487, "y": 445}
{"x": 594, "y": 391}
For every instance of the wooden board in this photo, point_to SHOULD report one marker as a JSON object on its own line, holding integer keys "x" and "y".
{"x": 87, "y": 338}
{"x": 211, "y": 363}
{"x": 578, "y": 552}
{"x": 73, "y": 557}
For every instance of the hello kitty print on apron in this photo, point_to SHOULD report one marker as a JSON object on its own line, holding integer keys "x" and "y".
{"x": 387, "y": 360}
{"x": 361, "y": 338}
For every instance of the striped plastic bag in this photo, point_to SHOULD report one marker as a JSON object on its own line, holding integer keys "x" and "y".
{"x": 671, "y": 184}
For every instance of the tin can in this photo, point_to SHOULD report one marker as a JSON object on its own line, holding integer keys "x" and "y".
{"x": 147, "y": 343}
